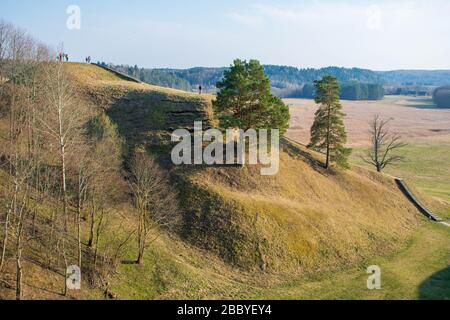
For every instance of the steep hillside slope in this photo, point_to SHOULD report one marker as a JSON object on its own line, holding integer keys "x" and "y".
{"x": 144, "y": 114}
{"x": 302, "y": 219}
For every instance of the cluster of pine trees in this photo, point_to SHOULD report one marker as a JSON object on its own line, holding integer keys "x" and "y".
{"x": 244, "y": 101}
{"x": 361, "y": 91}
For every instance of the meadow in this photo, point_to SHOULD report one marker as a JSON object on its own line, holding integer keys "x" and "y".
{"x": 422, "y": 125}
{"x": 415, "y": 118}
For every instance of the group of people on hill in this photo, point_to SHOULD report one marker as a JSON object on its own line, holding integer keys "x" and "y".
{"x": 63, "y": 57}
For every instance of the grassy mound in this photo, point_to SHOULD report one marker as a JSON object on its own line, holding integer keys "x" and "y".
{"x": 302, "y": 219}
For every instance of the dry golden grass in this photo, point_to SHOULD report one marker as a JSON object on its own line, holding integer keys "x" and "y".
{"x": 94, "y": 76}
{"x": 414, "y": 118}
{"x": 309, "y": 220}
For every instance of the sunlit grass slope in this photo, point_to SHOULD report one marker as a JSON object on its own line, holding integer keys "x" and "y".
{"x": 427, "y": 167}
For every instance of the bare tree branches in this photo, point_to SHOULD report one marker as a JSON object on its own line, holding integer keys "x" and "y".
{"x": 53, "y": 173}
{"x": 50, "y": 166}
{"x": 20, "y": 58}
{"x": 154, "y": 199}
{"x": 384, "y": 145}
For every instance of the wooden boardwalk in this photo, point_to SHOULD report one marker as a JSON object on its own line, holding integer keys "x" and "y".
{"x": 427, "y": 213}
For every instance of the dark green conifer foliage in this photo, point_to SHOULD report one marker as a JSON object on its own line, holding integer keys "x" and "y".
{"x": 328, "y": 132}
{"x": 244, "y": 100}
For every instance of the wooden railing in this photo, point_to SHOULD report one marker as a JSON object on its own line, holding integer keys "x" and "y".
{"x": 119, "y": 74}
{"x": 427, "y": 213}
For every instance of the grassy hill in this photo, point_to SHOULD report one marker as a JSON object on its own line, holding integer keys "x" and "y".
{"x": 241, "y": 232}
{"x": 298, "y": 220}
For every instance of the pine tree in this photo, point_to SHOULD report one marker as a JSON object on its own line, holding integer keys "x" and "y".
{"x": 244, "y": 100}
{"x": 328, "y": 131}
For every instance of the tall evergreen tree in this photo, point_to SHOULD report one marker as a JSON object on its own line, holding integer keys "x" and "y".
{"x": 328, "y": 131}
{"x": 244, "y": 100}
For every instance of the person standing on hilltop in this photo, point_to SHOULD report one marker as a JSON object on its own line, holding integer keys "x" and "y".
{"x": 200, "y": 89}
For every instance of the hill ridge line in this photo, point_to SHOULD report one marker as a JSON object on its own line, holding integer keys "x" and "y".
{"x": 120, "y": 74}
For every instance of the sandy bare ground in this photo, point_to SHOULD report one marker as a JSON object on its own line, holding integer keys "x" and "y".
{"x": 416, "y": 119}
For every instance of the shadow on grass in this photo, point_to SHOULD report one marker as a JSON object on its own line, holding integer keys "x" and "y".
{"x": 421, "y": 103}
{"x": 436, "y": 287}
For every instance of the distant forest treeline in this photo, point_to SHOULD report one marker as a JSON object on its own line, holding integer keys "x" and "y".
{"x": 351, "y": 90}
{"x": 291, "y": 82}
{"x": 441, "y": 97}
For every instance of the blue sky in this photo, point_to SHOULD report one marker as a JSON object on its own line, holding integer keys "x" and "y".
{"x": 380, "y": 35}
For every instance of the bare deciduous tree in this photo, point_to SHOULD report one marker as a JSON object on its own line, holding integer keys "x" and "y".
{"x": 104, "y": 181}
{"x": 18, "y": 61}
{"x": 5, "y": 33}
{"x": 61, "y": 120}
{"x": 154, "y": 199}
{"x": 385, "y": 145}
{"x": 49, "y": 163}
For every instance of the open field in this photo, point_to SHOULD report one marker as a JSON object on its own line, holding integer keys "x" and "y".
{"x": 427, "y": 166}
{"x": 415, "y": 118}
{"x": 425, "y": 128}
